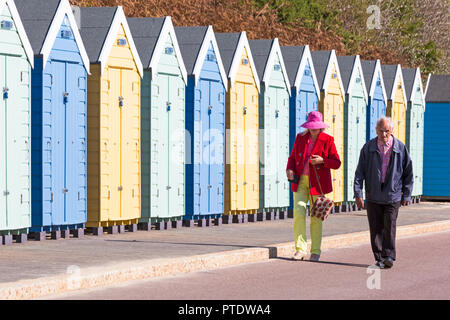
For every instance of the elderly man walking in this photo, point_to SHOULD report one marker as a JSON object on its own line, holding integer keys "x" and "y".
{"x": 385, "y": 166}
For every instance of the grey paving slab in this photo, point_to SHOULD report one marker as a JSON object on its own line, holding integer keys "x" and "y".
{"x": 34, "y": 259}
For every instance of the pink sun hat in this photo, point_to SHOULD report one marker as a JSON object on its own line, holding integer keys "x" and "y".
{"x": 314, "y": 121}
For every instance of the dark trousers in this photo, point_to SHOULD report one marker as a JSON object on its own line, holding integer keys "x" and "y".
{"x": 383, "y": 224}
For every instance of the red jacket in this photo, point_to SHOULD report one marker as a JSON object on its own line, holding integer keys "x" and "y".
{"x": 323, "y": 147}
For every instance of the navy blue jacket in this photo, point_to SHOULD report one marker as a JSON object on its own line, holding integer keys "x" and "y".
{"x": 399, "y": 179}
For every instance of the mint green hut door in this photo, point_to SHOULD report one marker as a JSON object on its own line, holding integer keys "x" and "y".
{"x": 15, "y": 91}
{"x": 276, "y": 132}
{"x": 415, "y": 141}
{"x": 167, "y": 140}
{"x": 282, "y": 128}
{"x": 14, "y": 143}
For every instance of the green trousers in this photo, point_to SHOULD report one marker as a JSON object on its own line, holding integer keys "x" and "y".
{"x": 301, "y": 198}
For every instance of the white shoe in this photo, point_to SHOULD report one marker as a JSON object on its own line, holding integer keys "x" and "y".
{"x": 314, "y": 257}
{"x": 299, "y": 256}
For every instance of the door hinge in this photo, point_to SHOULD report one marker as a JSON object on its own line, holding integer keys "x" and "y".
{"x": 79, "y": 196}
{"x": 51, "y": 199}
{"x": 21, "y": 199}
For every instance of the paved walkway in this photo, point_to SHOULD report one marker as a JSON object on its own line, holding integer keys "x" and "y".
{"x": 36, "y": 260}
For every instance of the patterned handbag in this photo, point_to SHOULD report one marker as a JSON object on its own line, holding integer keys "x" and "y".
{"x": 322, "y": 206}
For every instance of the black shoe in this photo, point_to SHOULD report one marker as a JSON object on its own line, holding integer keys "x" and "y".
{"x": 388, "y": 262}
{"x": 380, "y": 264}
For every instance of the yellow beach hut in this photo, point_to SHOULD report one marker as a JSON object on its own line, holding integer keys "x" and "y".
{"x": 241, "y": 123}
{"x": 113, "y": 120}
{"x": 396, "y": 99}
{"x": 331, "y": 105}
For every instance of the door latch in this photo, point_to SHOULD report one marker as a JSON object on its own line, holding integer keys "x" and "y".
{"x": 5, "y": 93}
{"x": 120, "y": 188}
{"x": 245, "y": 110}
{"x": 65, "y": 190}
{"x": 209, "y": 109}
{"x": 121, "y": 101}
{"x": 169, "y": 105}
{"x": 168, "y": 187}
{"x": 357, "y": 119}
{"x": 277, "y": 113}
{"x": 6, "y": 193}
{"x": 66, "y": 97}
{"x": 334, "y": 118}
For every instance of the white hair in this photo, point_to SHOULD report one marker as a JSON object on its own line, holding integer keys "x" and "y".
{"x": 385, "y": 119}
{"x": 307, "y": 130}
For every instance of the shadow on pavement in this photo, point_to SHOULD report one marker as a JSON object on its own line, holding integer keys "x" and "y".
{"x": 330, "y": 262}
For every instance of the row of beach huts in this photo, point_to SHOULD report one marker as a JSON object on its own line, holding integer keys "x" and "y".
{"x": 112, "y": 123}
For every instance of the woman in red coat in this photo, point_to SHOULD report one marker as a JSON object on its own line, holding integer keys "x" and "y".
{"x": 311, "y": 147}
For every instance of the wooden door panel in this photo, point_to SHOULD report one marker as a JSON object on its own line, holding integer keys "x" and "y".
{"x": 114, "y": 152}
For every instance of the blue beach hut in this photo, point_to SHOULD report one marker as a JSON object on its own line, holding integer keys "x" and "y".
{"x": 58, "y": 121}
{"x": 205, "y": 124}
{"x": 377, "y": 99}
{"x": 436, "y": 172}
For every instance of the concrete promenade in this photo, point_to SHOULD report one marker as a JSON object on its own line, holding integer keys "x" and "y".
{"x": 36, "y": 269}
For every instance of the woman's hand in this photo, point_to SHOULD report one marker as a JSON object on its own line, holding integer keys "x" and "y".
{"x": 360, "y": 203}
{"x": 315, "y": 160}
{"x": 290, "y": 174}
